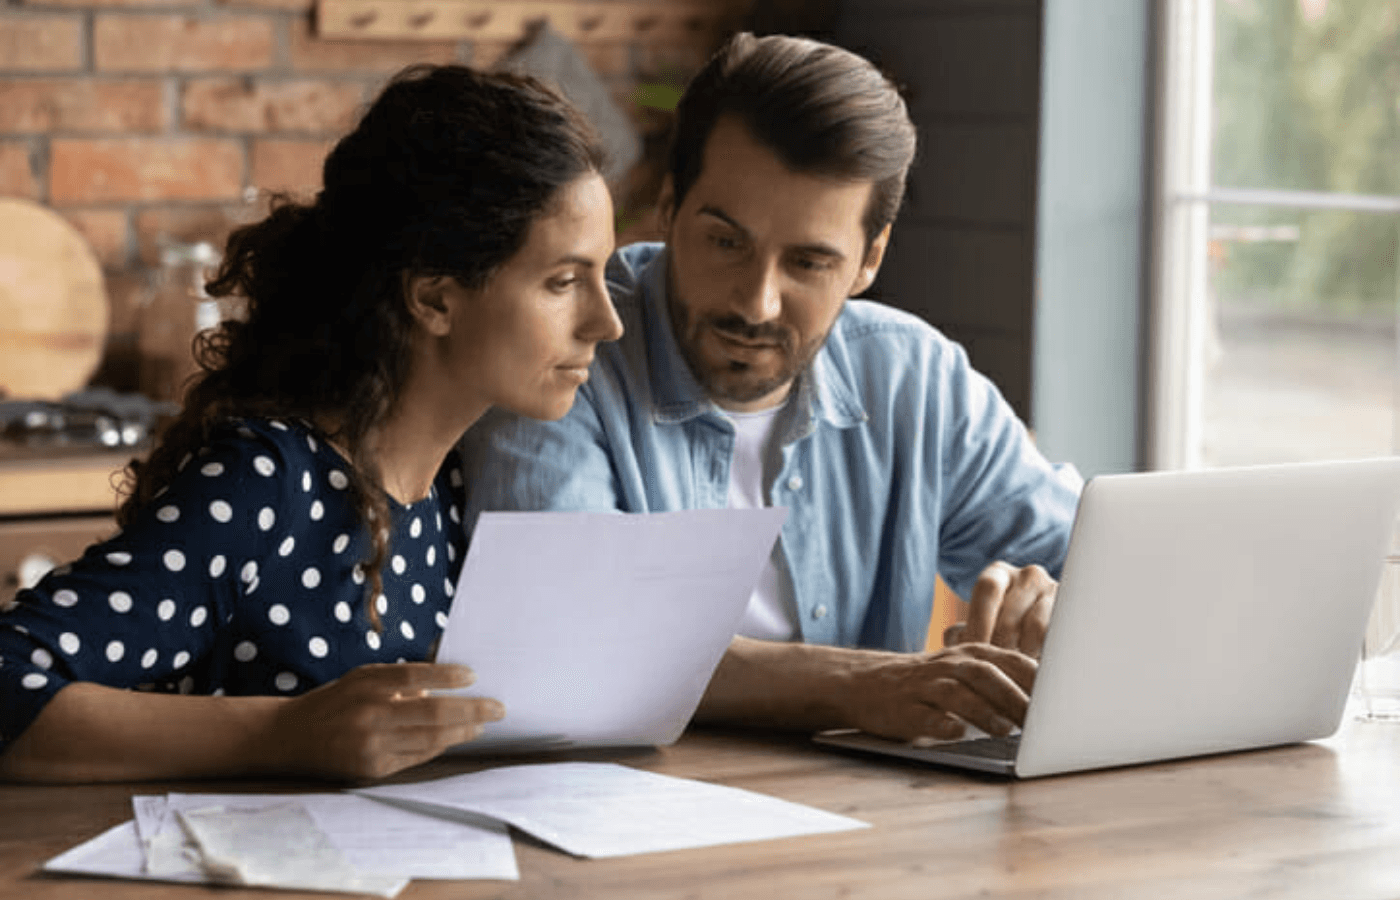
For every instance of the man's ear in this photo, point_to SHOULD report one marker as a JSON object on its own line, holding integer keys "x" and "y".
{"x": 427, "y": 299}
{"x": 870, "y": 266}
{"x": 666, "y": 203}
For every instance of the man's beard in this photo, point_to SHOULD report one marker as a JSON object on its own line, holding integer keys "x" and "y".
{"x": 735, "y": 381}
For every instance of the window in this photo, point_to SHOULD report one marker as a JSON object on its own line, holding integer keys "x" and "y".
{"x": 1277, "y": 294}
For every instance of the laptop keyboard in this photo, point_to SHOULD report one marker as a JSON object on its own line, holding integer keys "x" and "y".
{"x": 987, "y": 747}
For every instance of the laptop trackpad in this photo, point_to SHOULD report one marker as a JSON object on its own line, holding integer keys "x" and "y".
{"x": 976, "y": 750}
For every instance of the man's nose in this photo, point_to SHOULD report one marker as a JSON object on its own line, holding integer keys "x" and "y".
{"x": 759, "y": 297}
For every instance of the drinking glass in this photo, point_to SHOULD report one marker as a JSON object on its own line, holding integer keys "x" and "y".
{"x": 1377, "y": 685}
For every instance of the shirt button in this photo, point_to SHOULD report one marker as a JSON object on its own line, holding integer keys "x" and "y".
{"x": 819, "y": 612}
{"x": 795, "y": 483}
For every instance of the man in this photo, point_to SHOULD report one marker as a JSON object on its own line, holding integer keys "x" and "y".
{"x": 746, "y": 378}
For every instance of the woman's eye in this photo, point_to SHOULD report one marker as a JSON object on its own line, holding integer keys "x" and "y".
{"x": 724, "y": 242}
{"x": 560, "y": 285}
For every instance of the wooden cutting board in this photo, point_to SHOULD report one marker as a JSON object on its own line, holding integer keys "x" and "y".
{"x": 53, "y": 307}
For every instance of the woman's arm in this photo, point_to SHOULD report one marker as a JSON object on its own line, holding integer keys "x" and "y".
{"x": 374, "y": 721}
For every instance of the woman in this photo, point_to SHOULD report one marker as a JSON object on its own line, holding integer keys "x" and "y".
{"x": 288, "y": 551}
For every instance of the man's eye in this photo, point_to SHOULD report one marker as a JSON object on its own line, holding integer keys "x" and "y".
{"x": 812, "y": 264}
{"x": 724, "y": 242}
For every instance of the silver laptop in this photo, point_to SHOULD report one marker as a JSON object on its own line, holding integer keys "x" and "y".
{"x": 1199, "y": 612}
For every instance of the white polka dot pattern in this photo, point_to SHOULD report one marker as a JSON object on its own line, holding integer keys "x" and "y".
{"x": 264, "y": 505}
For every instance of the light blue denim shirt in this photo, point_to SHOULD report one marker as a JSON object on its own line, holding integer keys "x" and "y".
{"x": 899, "y": 461}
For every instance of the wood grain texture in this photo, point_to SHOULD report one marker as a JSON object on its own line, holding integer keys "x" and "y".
{"x": 53, "y": 308}
{"x": 1306, "y": 821}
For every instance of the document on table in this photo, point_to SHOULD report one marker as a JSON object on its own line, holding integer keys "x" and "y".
{"x": 601, "y": 629}
{"x": 377, "y": 840}
{"x": 605, "y": 809}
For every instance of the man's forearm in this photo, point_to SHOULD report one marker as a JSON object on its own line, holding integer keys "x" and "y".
{"x": 780, "y": 685}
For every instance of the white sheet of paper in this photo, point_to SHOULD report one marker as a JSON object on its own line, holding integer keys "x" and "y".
{"x": 601, "y": 629}
{"x": 398, "y": 844}
{"x": 605, "y": 809}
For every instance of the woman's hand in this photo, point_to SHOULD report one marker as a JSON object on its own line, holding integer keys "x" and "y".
{"x": 378, "y": 719}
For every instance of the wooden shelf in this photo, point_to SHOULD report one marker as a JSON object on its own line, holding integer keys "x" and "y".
{"x": 72, "y": 484}
{"x": 591, "y": 21}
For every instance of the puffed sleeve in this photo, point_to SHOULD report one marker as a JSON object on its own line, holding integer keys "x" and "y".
{"x": 145, "y": 606}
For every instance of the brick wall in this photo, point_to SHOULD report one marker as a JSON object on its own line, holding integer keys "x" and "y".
{"x": 146, "y": 122}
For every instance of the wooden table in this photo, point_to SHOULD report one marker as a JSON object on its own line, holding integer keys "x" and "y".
{"x": 1318, "y": 820}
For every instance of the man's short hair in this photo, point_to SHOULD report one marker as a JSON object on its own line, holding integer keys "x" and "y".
{"x": 822, "y": 109}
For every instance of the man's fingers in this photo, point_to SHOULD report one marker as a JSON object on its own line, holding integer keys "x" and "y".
{"x": 1017, "y": 666}
{"x": 1029, "y": 587}
{"x": 971, "y": 706}
{"x": 1035, "y": 625}
{"x": 984, "y": 606}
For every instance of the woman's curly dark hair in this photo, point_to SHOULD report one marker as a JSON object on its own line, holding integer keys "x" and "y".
{"x": 443, "y": 176}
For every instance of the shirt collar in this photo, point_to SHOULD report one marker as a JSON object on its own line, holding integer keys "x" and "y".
{"x": 825, "y": 390}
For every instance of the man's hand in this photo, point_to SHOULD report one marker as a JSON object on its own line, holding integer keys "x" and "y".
{"x": 1009, "y": 607}
{"x": 899, "y": 695}
{"x": 378, "y": 719}
{"x": 908, "y": 696}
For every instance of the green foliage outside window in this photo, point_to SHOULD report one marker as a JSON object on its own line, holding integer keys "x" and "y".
{"x": 1307, "y": 97}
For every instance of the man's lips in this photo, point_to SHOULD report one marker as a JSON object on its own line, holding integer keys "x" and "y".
{"x": 748, "y": 343}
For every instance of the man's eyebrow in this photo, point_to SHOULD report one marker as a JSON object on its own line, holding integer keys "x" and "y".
{"x": 724, "y": 217}
{"x": 817, "y": 248}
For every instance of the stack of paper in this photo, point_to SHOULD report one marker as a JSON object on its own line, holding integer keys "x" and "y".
{"x": 337, "y": 841}
{"x": 374, "y": 840}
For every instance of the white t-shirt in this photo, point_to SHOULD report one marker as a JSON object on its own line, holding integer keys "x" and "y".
{"x": 772, "y": 610}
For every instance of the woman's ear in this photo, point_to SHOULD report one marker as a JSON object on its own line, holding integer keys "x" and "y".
{"x": 427, "y": 299}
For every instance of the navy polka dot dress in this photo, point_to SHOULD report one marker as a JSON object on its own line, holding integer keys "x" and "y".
{"x": 245, "y": 576}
